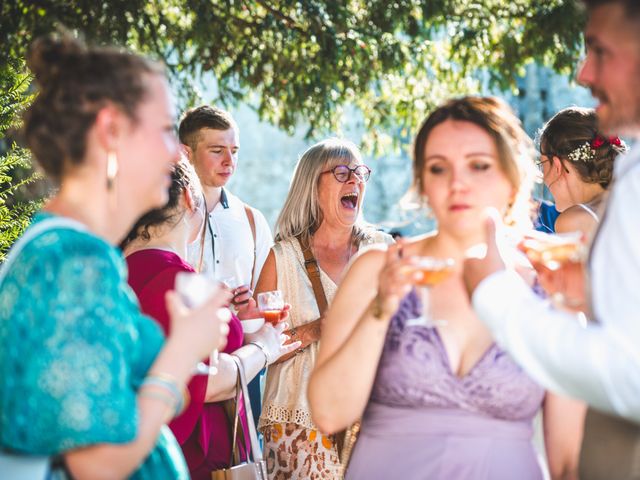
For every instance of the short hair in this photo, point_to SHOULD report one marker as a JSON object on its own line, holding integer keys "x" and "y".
{"x": 183, "y": 177}
{"x": 74, "y": 82}
{"x": 301, "y": 214}
{"x": 632, "y": 7}
{"x": 572, "y": 128}
{"x": 515, "y": 148}
{"x": 204, "y": 116}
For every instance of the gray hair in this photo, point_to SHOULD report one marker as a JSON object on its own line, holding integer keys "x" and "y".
{"x": 301, "y": 214}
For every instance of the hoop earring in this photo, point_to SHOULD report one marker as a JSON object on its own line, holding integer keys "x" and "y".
{"x": 112, "y": 169}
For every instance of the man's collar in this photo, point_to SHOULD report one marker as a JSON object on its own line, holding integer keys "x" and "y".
{"x": 223, "y": 199}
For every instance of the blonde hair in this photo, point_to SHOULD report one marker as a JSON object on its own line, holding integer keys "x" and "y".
{"x": 301, "y": 214}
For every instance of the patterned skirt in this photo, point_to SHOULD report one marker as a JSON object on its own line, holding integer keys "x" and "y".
{"x": 295, "y": 452}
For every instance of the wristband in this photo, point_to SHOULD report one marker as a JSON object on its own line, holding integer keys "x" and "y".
{"x": 263, "y": 349}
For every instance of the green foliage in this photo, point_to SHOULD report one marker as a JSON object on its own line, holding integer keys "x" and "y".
{"x": 304, "y": 60}
{"x": 15, "y": 165}
{"x": 14, "y": 216}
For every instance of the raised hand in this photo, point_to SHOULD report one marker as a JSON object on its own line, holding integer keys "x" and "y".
{"x": 203, "y": 328}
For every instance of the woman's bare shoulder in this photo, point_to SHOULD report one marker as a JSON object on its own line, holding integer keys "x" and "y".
{"x": 573, "y": 219}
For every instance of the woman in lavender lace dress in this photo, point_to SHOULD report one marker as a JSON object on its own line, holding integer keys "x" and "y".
{"x": 443, "y": 401}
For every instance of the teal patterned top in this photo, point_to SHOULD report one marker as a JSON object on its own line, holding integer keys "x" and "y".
{"x": 74, "y": 348}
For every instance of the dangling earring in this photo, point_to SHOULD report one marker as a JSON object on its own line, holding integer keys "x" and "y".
{"x": 112, "y": 175}
{"x": 112, "y": 169}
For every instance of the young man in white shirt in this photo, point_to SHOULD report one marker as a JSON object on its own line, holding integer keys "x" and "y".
{"x": 600, "y": 362}
{"x": 237, "y": 237}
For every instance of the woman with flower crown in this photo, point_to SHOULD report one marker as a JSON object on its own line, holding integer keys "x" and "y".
{"x": 577, "y": 168}
{"x": 577, "y": 165}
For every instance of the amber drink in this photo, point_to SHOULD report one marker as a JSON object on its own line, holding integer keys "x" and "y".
{"x": 430, "y": 270}
{"x": 553, "y": 251}
{"x": 271, "y": 306}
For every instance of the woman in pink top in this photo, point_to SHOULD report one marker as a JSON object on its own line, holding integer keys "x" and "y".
{"x": 155, "y": 251}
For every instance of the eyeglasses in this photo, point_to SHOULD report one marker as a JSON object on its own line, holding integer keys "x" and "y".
{"x": 547, "y": 158}
{"x": 342, "y": 173}
{"x": 540, "y": 162}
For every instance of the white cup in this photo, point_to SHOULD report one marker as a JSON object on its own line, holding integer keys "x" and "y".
{"x": 195, "y": 289}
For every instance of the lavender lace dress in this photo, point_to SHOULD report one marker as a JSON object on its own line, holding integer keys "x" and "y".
{"x": 424, "y": 422}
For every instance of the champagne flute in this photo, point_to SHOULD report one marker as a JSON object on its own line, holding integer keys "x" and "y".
{"x": 195, "y": 289}
{"x": 428, "y": 272}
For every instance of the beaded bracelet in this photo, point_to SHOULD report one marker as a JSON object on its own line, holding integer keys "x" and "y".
{"x": 263, "y": 349}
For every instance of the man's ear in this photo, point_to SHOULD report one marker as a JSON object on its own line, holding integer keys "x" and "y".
{"x": 187, "y": 152}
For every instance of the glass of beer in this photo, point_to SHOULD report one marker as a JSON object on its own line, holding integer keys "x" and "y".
{"x": 271, "y": 306}
{"x": 428, "y": 272}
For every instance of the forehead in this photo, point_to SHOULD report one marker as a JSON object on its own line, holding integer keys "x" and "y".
{"x": 610, "y": 25}
{"x": 209, "y": 137}
{"x": 347, "y": 159}
{"x": 458, "y": 138}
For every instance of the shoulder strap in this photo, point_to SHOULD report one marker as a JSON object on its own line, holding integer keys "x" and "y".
{"x": 590, "y": 211}
{"x": 252, "y": 224}
{"x": 34, "y": 231}
{"x": 313, "y": 271}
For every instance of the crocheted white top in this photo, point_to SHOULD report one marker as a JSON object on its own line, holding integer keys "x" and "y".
{"x": 285, "y": 395}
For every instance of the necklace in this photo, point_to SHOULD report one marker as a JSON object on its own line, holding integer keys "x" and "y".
{"x": 348, "y": 255}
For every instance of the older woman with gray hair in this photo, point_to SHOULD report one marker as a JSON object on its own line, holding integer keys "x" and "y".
{"x": 319, "y": 230}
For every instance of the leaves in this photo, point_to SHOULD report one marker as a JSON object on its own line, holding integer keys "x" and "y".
{"x": 380, "y": 64}
{"x": 301, "y": 61}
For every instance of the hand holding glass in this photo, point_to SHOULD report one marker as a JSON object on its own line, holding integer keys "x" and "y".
{"x": 195, "y": 289}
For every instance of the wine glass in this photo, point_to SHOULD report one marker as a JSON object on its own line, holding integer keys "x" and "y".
{"x": 554, "y": 250}
{"x": 428, "y": 272}
{"x": 194, "y": 289}
{"x": 271, "y": 305}
{"x": 563, "y": 250}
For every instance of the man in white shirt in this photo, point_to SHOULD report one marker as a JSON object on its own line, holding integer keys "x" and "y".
{"x": 237, "y": 237}
{"x": 599, "y": 363}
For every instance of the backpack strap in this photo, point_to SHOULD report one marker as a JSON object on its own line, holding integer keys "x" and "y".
{"x": 252, "y": 224}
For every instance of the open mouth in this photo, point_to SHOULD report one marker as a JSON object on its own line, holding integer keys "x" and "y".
{"x": 350, "y": 200}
